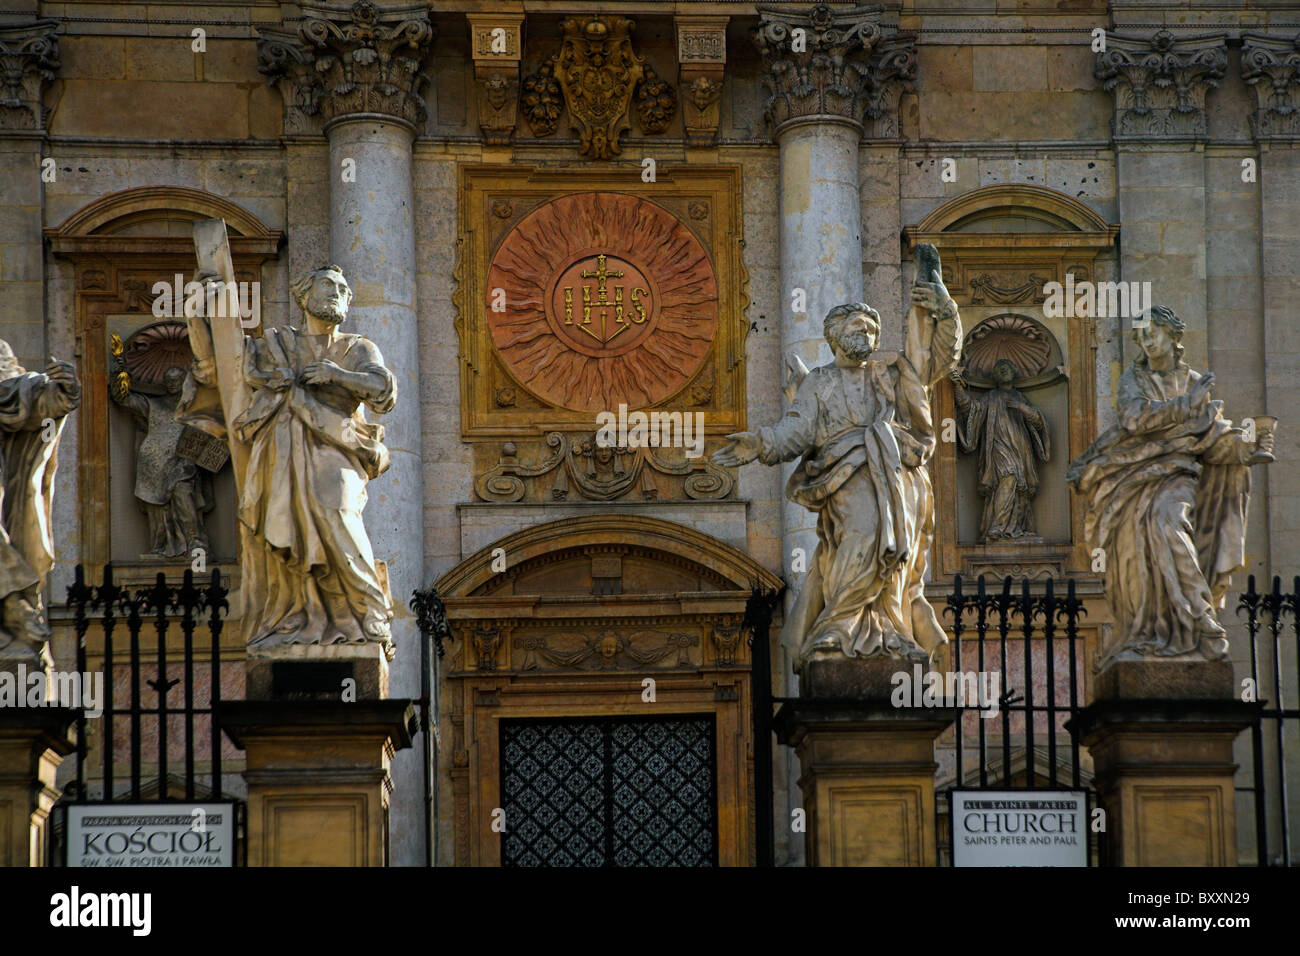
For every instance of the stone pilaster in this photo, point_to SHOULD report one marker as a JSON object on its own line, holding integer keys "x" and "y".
{"x": 29, "y": 59}
{"x": 1272, "y": 66}
{"x": 496, "y": 44}
{"x": 33, "y": 742}
{"x": 1160, "y": 84}
{"x": 701, "y": 61}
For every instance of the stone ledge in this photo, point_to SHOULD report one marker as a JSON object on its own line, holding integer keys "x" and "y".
{"x": 244, "y": 719}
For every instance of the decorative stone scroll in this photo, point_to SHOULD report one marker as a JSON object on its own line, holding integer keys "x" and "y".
{"x": 585, "y": 469}
{"x": 29, "y": 59}
{"x": 357, "y": 58}
{"x": 496, "y": 42}
{"x": 1160, "y": 83}
{"x": 1272, "y": 66}
{"x": 598, "y": 76}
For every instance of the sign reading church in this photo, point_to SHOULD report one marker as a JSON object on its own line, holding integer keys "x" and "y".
{"x": 151, "y": 834}
{"x": 1019, "y": 828}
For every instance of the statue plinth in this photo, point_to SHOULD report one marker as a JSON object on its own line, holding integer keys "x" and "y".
{"x": 868, "y": 774}
{"x": 318, "y": 776}
{"x": 1161, "y": 736}
{"x": 312, "y": 672}
{"x": 850, "y": 678}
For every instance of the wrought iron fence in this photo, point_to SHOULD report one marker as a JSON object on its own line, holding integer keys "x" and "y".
{"x": 1025, "y": 745}
{"x": 173, "y": 693}
{"x": 1269, "y": 785}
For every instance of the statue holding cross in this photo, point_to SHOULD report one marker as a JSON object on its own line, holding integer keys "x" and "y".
{"x": 303, "y": 452}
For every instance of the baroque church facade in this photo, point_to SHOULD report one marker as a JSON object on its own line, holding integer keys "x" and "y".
{"x": 550, "y": 212}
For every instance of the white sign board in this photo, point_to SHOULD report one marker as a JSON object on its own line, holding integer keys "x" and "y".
{"x": 1019, "y": 828}
{"x": 151, "y": 834}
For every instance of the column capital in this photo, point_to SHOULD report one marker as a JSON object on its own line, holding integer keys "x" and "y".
{"x": 349, "y": 58}
{"x": 29, "y": 59}
{"x": 1160, "y": 83}
{"x": 836, "y": 65}
{"x": 1272, "y": 66}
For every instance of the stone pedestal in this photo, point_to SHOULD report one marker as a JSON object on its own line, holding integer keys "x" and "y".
{"x": 33, "y": 742}
{"x": 867, "y": 779}
{"x": 1161, "y": 736}
{"x": 318, "y": 778}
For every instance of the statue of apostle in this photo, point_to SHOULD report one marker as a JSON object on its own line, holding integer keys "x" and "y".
{"x": 1166, "y": 491}
{"x": 863, "y": 427}
{"x": 309, "y": 573}
{"x": 1008, "y": 434}
{"x": 33, "y": 406}
{"x": 172, "y": 491}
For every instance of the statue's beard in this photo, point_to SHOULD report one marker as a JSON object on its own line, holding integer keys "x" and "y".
{"x": 856, "y": 346}
{"x": 328, "y": 312}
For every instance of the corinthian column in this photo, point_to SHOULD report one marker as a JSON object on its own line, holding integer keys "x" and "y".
{"x": 829, "y": 74}
{"x": 356, "y": 72}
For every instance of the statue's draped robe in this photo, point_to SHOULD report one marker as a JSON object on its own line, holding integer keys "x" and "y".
{"x": 1007, "y": 444}
{"x": 1167, "y": 504}
{"x": 309, "y": 573}
{"x": 169, "y": 488}
{"x": 865, "y": 434}
{"x": 27, "y": 466}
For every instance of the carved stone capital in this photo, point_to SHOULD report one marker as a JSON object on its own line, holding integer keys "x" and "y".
{"x": 701, "y": 60}
{"x": 349, "y": 58}
{"x": 834, "y": 64}
{"x": 29, "y": 58}
{"x": 1272, "y": 66}
{"x": 496, "y": 40}
{"x": 1160, "y": 83}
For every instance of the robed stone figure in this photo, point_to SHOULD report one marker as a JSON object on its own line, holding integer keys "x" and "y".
{"x": 308, "y": 569}
{"x": 33, "y": 406}
{"x": 1166, "y": 490}
{"x": 1008, "y": 436}
{"x": 863, "y": 428}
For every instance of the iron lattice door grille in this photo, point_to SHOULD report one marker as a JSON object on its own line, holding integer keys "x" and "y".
{"x": 609, "y": 792}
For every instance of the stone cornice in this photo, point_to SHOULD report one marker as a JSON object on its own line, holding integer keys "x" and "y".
{"x": 29, "y": 58}
{"x": 1160, "y": 83}
{"x": 349, "y": 58}
{"x": 834, "y": 64}
{"x": 1272, "y": 66}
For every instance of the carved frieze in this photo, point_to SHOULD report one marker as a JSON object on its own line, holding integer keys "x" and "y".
{"x": 1160, "y": 83}
{"x": 1272, "y": 66}
{"x": 1007, "y": 288}
{"x": 836, "y": 64}
{"x": 600, "y": 79}
{"x": 606, "y": 650}
{"x": 349, "y": 58}
{"x": 29, "y": 59}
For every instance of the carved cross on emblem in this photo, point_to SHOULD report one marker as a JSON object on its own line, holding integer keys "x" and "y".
{"x": 613, "y": 315}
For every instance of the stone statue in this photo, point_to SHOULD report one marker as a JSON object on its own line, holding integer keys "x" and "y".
{"x": 863, "y": 427}
{"x": 309, "y": 573}
{"x": 1008, "y": 434}
{"x": 1166, "y": 491}
{"x": 33, "y": 406}
{"x": 172, "y": 491}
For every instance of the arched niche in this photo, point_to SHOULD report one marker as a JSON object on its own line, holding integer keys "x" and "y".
{"x": 1001, "y": 246}
{"x": 117, "y": 247}
{"x": 569, "y": 619}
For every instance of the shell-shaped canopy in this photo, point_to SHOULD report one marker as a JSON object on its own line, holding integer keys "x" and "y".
{"x": 1016, "y": 338}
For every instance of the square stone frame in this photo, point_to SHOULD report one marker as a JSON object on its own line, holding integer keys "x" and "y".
{"x": 518, "y": 189}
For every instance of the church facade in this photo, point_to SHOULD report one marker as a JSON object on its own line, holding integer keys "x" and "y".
{"x": 593, "y": 240}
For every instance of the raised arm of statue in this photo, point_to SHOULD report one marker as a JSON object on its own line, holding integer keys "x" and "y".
{"x": 933, "y": 346}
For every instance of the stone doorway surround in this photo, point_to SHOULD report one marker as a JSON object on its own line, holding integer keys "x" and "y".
{"x": 605, "y": 615}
